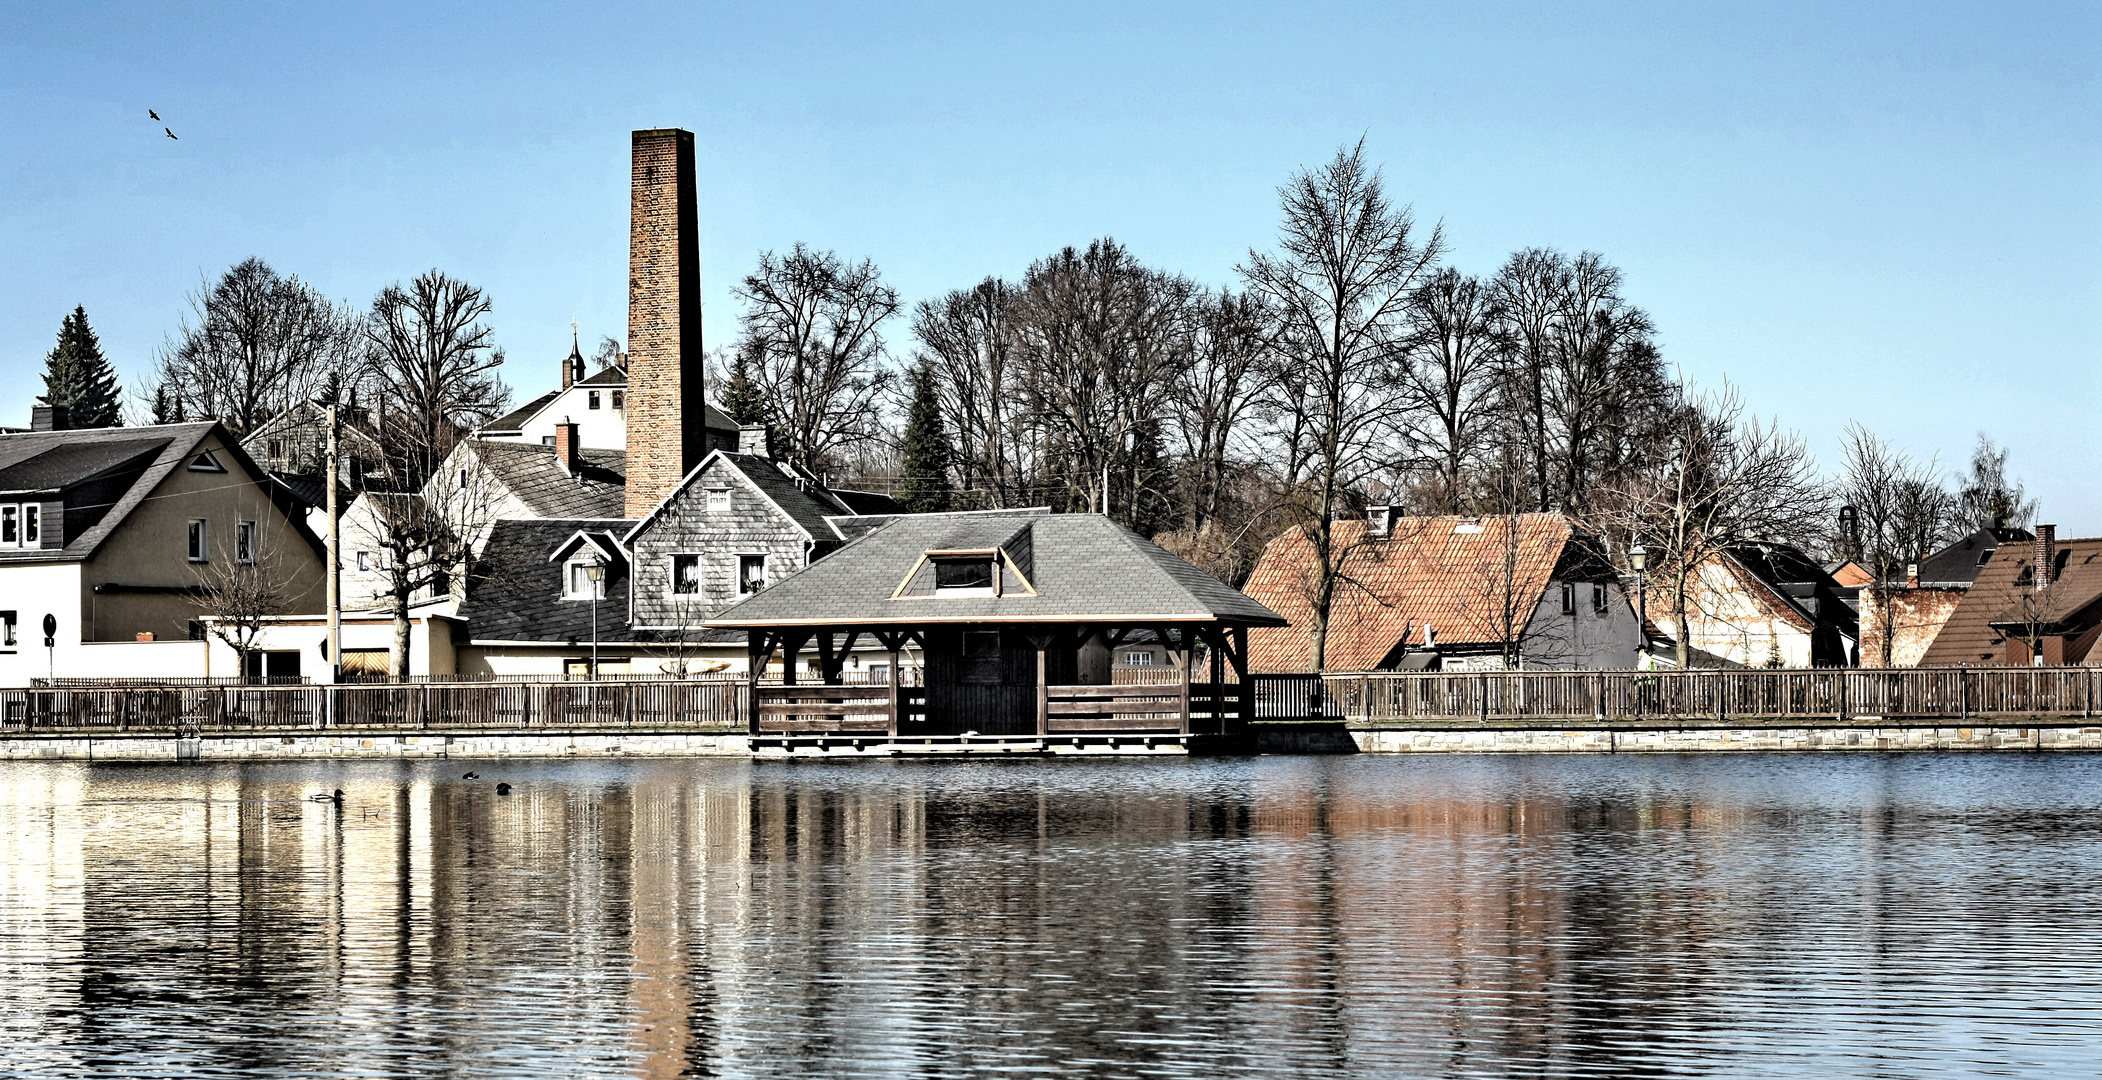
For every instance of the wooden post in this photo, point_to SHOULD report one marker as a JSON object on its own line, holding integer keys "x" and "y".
{"x": 757, "y": 650}
{"x": 1183, "y": 659}
{"x": 1218, "y": 673}
{"x": 1240, "y": 670}
{"x": 1043, "y": 690}
{"x": 897, "y": 657}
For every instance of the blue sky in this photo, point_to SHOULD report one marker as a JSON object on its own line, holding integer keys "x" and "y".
{"x": 1890, "y": 214}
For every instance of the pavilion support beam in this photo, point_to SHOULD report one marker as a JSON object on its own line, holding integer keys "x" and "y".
{"x": 1239, "y": 658}
{"x": 759, "y": 647}
{"x": 1183, "y": 656}
{"x": 1217, "y": 641}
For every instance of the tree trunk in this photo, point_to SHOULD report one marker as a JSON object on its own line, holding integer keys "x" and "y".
{"x": 398, "y": 652}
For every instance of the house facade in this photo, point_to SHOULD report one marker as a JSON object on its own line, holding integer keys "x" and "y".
{"x": 1449, "y": 593}
{"x": 118, "y": 535}
{"x": 1761, "y": 605}
{"x": 2032, "y": 604}
{"x": 597, "y": 404}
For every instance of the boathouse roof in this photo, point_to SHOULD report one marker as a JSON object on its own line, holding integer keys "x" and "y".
{"x": 1051, "y": 568}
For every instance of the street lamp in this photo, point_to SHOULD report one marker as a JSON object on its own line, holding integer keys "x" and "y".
{"x": 1638, "y": 561}
{"x": 595, "y": 572}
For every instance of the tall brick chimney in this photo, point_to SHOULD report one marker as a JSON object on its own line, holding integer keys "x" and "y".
{"x": 2046, "y": 554}
{"x": 666, "y": 417}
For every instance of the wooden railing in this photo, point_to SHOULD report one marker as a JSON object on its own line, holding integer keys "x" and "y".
{"x": 1697, "y": 696}
{"x": 1140, "y": 707}
{"x": 709, "y": 705}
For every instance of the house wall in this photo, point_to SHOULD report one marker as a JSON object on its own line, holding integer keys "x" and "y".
{"x": 150, "y": 548}
{"x": 1588, "y": 640}
{"x": 603, "y": 428}
{"x": 1730, "y": 622}
{"x": 1915, "y": 617}
{"x": 430, "y": 645}
{"x": 752, "y": 526}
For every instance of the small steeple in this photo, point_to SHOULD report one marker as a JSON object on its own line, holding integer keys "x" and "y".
{"x": 573, "y": 365}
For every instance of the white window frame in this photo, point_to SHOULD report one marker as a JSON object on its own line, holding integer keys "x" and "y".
{"x": 244, "y": 543}
{"x": 364, "y": 560}
{"x": 7, "y": 629}
{"x": 206, "y": 461}
{"x": 700, "y": 574}
{"x": 32, "y": 525}
{"x": 743, "y": 580}
{"x": 990, "y": 588}
{"x": 198, "y": 537}
{"x": 570, "y": 570}
{"x": 1138, "y": 659}
{"x": 591, "y": 399}
{"x": 10, "y": 525}
{"x": 717, "y": 500}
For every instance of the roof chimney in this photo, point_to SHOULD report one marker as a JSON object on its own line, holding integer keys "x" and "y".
{"x": 573, "y": 364}
{"x": 566, "y": 446}
{"x": 666, "y": 417}
{"x": 751, "y": 439}
{"x": 1378, "y": 520}
{"x": 50, "y": 418}
{"x": 2046, "y": 554}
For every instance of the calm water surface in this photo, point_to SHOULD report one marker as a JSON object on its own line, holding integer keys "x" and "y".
{"x": 1811, "y": 915}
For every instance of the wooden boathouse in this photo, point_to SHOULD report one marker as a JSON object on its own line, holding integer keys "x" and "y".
{"x": 1017, "y": 616}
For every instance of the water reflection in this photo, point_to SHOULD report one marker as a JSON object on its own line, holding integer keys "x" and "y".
{"x": 1621, "y": 916}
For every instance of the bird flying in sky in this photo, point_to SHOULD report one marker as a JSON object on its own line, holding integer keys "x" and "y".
{"x": 153, "y": 114}
{"x": 171, "y": 134}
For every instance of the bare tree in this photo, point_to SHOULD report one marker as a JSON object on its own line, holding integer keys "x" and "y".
{"x": 1723, "y": 481}
{"x": 1449, "y": 387}
{"x": 433, "y": 364}
{"x": 1216, "y": 393}
{"x": 1989, "y": 498}
{"x": 426, "y": 544}
{"x": 812, "y": 345}
{"x": 243, "y": 590}
{"x": 1347, "y": 264}
{"x": 1901, "y": 512}
{"x": 1101, "y": 340}
{"x": 968, "y": 339}
{"x": 256, "y": 343}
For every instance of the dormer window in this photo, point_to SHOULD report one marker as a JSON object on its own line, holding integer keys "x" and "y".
{"x": 576, "y": 580}
{"x": 968, "y": 576}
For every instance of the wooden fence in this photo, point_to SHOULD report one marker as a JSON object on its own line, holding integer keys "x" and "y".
{"x": 1376, "y": 699}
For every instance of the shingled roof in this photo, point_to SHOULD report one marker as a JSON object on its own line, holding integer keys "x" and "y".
{"x": 2005, "y": 594}
{"x": 529, "y": 471}
{"x": 516, "y": 593}
{"x": 106, "y": 473}
{"x": 1457, "y": 575}
{"x": 513, "y": 422}
{"x": 1083, "y": 567}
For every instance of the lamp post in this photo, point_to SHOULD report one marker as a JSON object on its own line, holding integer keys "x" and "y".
{"x": 595, "y": 572}
{"x": 1638, "y": 561}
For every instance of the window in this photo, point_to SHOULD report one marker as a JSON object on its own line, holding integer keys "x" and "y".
{"x": 364, "y": 560}
{"x": 7, "y": 628}
{"x": 718, "y": 499}
{"x": 32, "y": 524}
{"x": 205, "y": 462}
{"x": 1598, "y": 598}
{"x": 277, "y": 448}
{"x": 577, "y": 584}
{"x": 244, "y": 542}
{"x": 685, "y": 575}
{"x": 21, "y": 525}
{"x": 1138, "y": 659}
{"x": 980, "y": 657}
{"x": 463, "y": 480}
{"x": 751, "y": 574}
{"x": 10, "y": 526}
{"x": 199, "y": 540}
{"x": 547, "y": 440}
{"x": 963, "y": 573}
{"x": 1569, "y": 598}
{"x": 591, "y": 399}
{"x": 620, "y": 399}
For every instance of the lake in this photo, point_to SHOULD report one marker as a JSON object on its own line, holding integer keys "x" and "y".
{"x": 1759, "y": 915}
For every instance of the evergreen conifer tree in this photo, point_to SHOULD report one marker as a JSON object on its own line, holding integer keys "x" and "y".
{"x": 741, "y": 399}
{"x": 78, "y": 377}
{"x": 165, "y": 411}
{"x": 925, "y": 488}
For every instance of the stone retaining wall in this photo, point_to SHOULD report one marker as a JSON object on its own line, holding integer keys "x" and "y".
{"x": 213, "y": 747}
{"x": 1607, "y": 741}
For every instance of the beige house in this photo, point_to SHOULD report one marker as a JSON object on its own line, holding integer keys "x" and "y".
{"x": 1761, "y": 605}
{"x": 117, "y": 535}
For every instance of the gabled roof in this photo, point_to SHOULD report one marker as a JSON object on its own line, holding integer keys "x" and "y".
{"x": 515, "y": 593}
{"x": 1466, "y": 578}
{"x": 138, "y": 457}
{"x": 610, "y": 375}
{"x": 866, "y": 503}
{"x": 1958, "y": 564}
{"x": 530, "y": 472}
{"x": 806, "y": 503}
{"x": 2005, "y": 593}
{"x": 513, "y": 422}
{"x": 1084, "y": 567}
{"x": 1791, "y": 584}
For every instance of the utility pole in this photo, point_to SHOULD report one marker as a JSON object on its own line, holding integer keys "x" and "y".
{"x": 335, "y": 558}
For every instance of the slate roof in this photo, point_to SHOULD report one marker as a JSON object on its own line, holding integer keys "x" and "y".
{"x": 46, "y": 461}
{"x": 856, "y": 526}
{"x": 610, "y": 375}
{"x": 516, "y": 593}
{"x": 1959, "y": 564}
{"x": 513, "y": 422}
{"x": 1445, "y": 573}
{"x": 865, "y": 503}
{"x": 2005, "y": 593}
{"x": 1084, "y": 567}
{"x": 529, "y": 471}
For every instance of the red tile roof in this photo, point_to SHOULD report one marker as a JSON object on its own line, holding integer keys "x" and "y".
{"x": 1466, "y": 578}
{"x": 2004, "y": 593}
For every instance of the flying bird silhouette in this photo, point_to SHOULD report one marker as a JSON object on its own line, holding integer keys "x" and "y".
{"x": 171, "y": 134}
{"x": 153, "y": 114}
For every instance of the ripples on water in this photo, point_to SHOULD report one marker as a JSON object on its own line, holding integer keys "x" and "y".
{"x": 1610, "y": 916}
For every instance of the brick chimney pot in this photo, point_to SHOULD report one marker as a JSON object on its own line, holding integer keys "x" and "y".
{"x": 2046, "y": 554}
